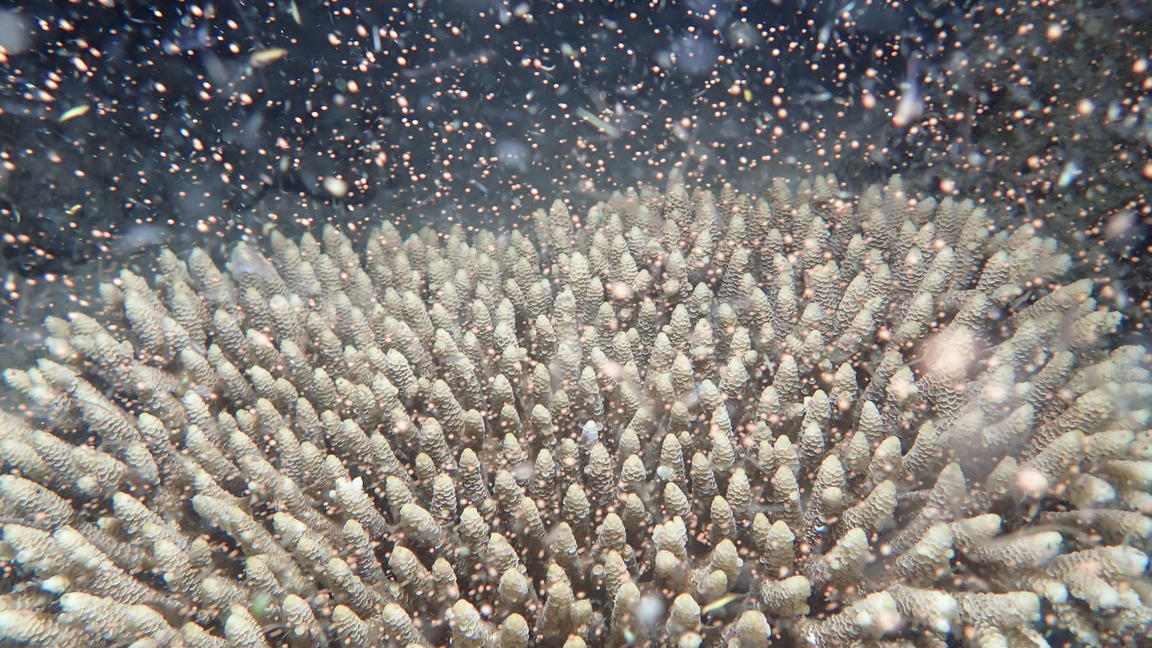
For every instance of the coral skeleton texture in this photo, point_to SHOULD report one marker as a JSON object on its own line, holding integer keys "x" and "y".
{"x": 795, "y": 419}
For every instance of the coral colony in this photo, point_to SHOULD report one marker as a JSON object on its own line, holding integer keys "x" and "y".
{"x": 798, "y": 418}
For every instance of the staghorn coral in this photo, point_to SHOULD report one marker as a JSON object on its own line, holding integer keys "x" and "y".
{"x": 680, "y": 419}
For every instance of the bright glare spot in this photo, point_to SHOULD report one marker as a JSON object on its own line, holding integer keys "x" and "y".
{"x": 1031, "y": 481}
{"x": 335, "y": 186}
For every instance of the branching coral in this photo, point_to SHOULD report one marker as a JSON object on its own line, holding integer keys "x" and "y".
{"x": 677, "y": 419}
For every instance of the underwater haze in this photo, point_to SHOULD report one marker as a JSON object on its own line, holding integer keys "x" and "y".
{"x": 575, "y": 323}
